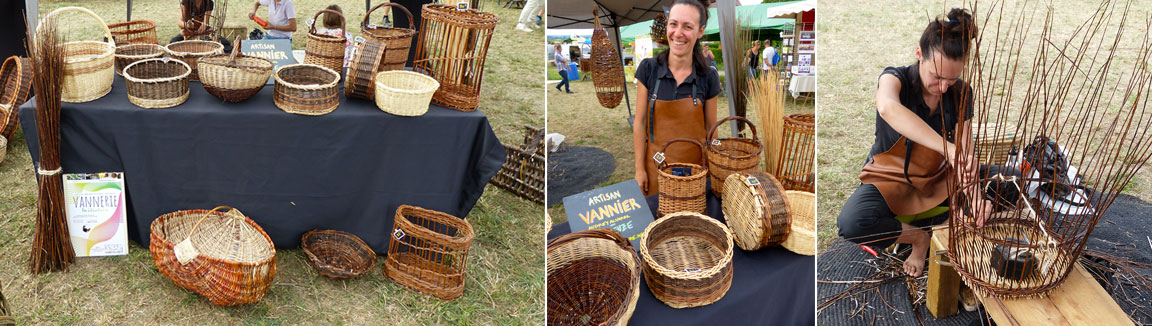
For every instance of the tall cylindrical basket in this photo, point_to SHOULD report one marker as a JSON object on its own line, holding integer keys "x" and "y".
{"x": 452, "y": 48}
{"x": 797, "y": 169}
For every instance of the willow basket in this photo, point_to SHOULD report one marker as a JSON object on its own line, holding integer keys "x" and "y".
{"x": 994, "y": 144}
{"x": 593, "y": 278}
{"x": 362, "y": 68}
{"x": 190, "y": 51}
{"x": 16, "y": 85}
{"x": 236, "y": 261}
{"x": 306, "y": 89}
{"x": 157, "y": 83}
{"x": 797, "y": 169}
{"x": 128, "y": 53}
{"x": 5, "y": 313}
{"x": 404, "y": 93}
{"x": 337, "y": 254}
{"x": 88, "y": 65}
{"x": 607, "y": 67}
{"x": 687, "y": 259}
{"x": 3, "y": 148}
{"x": 756, "y": 210}
{"x": 729, "y": 155}
{"x": 134, "y": 32}
{"x": 428, "y": 251}
{"x": 802, "y": 233}
{"x": 452, "y": 48}
{"x": 397, "y": 41}
{"x": 523, "y": 170}
{"x": 326, "y": 50}
{"x": 681, "y": 193}
{"x": 234, "y": 77}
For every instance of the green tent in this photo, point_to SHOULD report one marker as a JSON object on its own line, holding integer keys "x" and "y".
{"x": 743, "y": 13}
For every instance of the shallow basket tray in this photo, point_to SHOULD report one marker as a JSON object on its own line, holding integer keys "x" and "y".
{"x": 337, "y": 254}
{"x": 802, "y": 231}
{"x": 681, "y": 193}
{"x": 428, "y": 251}
{"x": 404, "y": 93}
{"x": 756, "y": 210}
{"x": 157, "y": 83}
{"x": 234, "y": 77}
{"x": 728, "y": 155}
{"x": 593, "y": 278}
{"x": 190, "y": 51}
{"x": 687, "y": 259}
{"x": 306, "y": 89}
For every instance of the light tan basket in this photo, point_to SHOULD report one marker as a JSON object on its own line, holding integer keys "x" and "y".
{"x": 404, "y": 93}
{"x": 89, "y": 66}
{"x": 190, "y": 51}
{"x": 802, "y": 234}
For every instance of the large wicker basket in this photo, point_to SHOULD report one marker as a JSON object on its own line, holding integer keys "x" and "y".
{"x": 306, "y": 89}
{"x": 756, "y": 210}
{"x": 134, "y": 32}
{"x": 190, "y": 51}
{"x": 323, "y": 49}
{"x": 729, "y": 155}
{"x": 453, "y": 46}
{"x": 593, "y": 278}
{"x": 88, "y": 65}
{"x": 236, "y": 260}
{"x": 687, "y": 259}
{"x": 337, "y": 254}
{"x": 607, "y": 66}
{"x": 15, "y": 83}
{"x": 397, "y": 41}
{"x": 802, "y": 232}
{"x": 428, "y": 251}
{"x": 128, "y": 53}
{"x": 234, "y": 77}
{"x": 682, "y": 186}
{"x": 404, "y": 93}
{"x": 797, "y": 169}
{"x": 157, "y": 83}
{"x": 362, "y": 68}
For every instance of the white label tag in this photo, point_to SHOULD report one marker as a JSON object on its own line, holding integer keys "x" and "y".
{"x": 185, "y": 251}
{"x": 715, "y": 142}
{"x": 752, "y": 181}
{"x": 692, "y": 270}
{"x": 360, "y": 39}
{"x": 310, "y": 22}
{"x": 658, "y": 157}
{"x": 462, "y": 5}
{"x": 398, "y": 234}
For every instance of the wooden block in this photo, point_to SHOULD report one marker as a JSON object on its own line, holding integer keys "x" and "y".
{"x": 1083, "y": 301}
{"x": 943, "y": 283}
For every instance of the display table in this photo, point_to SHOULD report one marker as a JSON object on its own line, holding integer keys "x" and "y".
{"x": 802, "y": 84}
{"x": 348, "y": 170}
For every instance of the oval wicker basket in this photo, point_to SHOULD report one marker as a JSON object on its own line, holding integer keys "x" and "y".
{"x": 593, "y": 278}
{"x": 728, "y": 155}
{"x": 236, "y": 260}
{"x": 404, "y": 93}
{"x": 190, "y": 51}
{"x": 323, "y": 49}
{"x": 234, "y": 77}
{"x": 157, "y": 83}
{"x": 680, "y": 192}
{"x": 16, "y": 85}
{"x": 756, "y": 210}
{"x": 88, "y": 65}
{"x": 337, "y": 254}
{"x": 397, "y": 41}
{"x": 802, "y": 232}
{"x": 128, "y": 53}
{"x": 362, "y": 68}
{"x": 687, "y": 259}
{"x": 428, "y": 251}
{"x": 452, "y": 48}
{"x": 134, "y": 32}
{"x": 306, "y": 89}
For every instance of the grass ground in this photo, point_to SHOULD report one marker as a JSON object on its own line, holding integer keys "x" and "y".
{"x": 858, "y": 40}
{"x": 504, "y": 284}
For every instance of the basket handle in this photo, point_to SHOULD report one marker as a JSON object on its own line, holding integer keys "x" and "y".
{"x": 107, "y": 32}
{"x": 607, "y": 234}
{"x": 235, "y": 50}
{"x": 316, "y": 21}
{"x": 686, "y": 140}
{"x": 712, "y": 130}
{"x": 237, "y": 216}
{"x": 368, "y": 15}
{"x": 596, "y": 16}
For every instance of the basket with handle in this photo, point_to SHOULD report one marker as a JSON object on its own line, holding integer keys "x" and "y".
{"x": 728, "y": 155}
{"x": 797, "y": 168}
{"x": 404, "y": 93}
{"x": 452, "y": 49}
{"x": 802, "y": 231}
{"x": 593, "y": 278}
{"x": 157, "y": 83}
{"x": 337, "y": 254}
{"x": 190, "y": 51}
{"x": 756, "y": 210}
{"x": 687, "y": 259}
{"x": 128, "y": 53}
{"x": 88, "y": 65}
{"x": 234, "y": 77}
{"x": 428, "y": 251}
{"x": 607, "y": 66}
{"x": 306, "y": 89}
{"x": 362, "y": 68}
{"x": 323, "y": 49}
{"x": 397, "y": 41}
{"x": 16, "y": 85}
{"x": 682, "y": 186}
{"x": 134, "y": 32}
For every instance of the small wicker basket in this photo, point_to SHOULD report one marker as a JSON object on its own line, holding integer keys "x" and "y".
{"x": 362, "y": 68}
{"x": 16, "y": 85}
{"x": 802, "y": 233}
{"x": 397, "y": 41}
{"x": 190, "y": 51}
{"x": 306, "y": 89}
{"x": 157, "y": 83}
{"x": 234, "y": 77}
{"x": 128, "y": 53}
{"x": 682, "y": 186}
{"x": 756, "y": 210}
{"x": 593, "y": 279}
{"x": 326, "y": 50}
{"x": 729, "y": 155}
{"x": 134, "y": 32}
{"x": 404, "y": 93}
{"x": 337, "y": 254}
{"x": 88, "y": 65}
{"x": 687, "y": 259}
{"x": 428, "y": 251}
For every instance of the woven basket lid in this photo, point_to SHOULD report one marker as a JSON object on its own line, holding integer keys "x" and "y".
{"x": 227, "y": 236}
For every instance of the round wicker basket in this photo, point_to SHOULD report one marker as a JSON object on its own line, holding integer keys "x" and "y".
{"x": 190, "y": 51}
{"x": 593, "y": 278}
{"x": 802, "y": 232}
{"x": 337, "y": 254}
{"x": 127, "y": 53}
{"x": 234, "y": 77}
{"x": 729, "y": 155}
{"x": 88, "y": 65}
{"x": 404, "y": 93}
{"x": 15, "y": 85}
{"x": 134, "y": 32}
{"x": 756, "y": 210}
{"x": 687, "y": 259}
{"x": 682, "y": 186}
{"x": 157, "y": 83}
{"x": 306, "y": 89}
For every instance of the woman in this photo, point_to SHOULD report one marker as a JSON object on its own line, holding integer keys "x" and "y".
{"x": 922, "y": 111}
{"x": 281, "y": 18}
{"x": 679, "y": 91}
{"x": 753, "y": 59}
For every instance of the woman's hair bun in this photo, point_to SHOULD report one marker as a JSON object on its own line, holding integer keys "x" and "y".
{"x": 960, "y": 24}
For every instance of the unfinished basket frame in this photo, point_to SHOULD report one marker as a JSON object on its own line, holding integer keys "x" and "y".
{"x": 687, "y": 259}
{"x": 428, "y": 252}
{"x": 404, "y": 93}
{"x": 190, "y": 51}
{"x": 16, "y": 85}
{"x": 756, "y": 210}
{"x": 797, "y": 168}
{"x": 88, "y": 65}
{"x": 607, "y": 66}
{"x": 234, "y": 77}
{"x": 134, "y": 32}
{"x": 362, "y": 67}
{"x": 337, "y": 254}
{"x": 306, "y": 89}
{"x": 730, "y": 155}
{"x": 157, "y": 83}
{"x": 452, "y": 49}
{"x": 397, "y": 41}
{"x": 593, "y": 278}
{"x": 681, "y": 193}
{"x": 326, "y": 50}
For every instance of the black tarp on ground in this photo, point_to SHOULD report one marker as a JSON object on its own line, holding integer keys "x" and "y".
{"x": 576, "y": 169}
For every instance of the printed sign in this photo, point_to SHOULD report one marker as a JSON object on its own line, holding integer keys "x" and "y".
{"x": 96, "y": 213}
{"x": 620, "y": 207}
{"x": 279, "y": 51}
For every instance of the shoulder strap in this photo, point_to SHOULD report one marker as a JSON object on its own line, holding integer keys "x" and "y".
{"x": 652, "y": 111}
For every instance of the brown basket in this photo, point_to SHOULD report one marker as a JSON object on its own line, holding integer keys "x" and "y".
{"x": 5, "y": 312}
{"x": 306, "y": 89}
{"x": 802, "y": 233}
{"x": 16, "y": 83}
{"x": 397, "y": 41}
{"x": 128, "y": 53}
{"x": 236, "y": 261}
{"x": 337, "y": 254}
{"x": 523, "y": 169}
{"x": 607, "y": 66}
{"x": 730, "y": 155}
{"x": 234, "y": 77}
{"x": 190, "y": 51}
{"x": 994, "y": 146}
{"x": 157, "y": 83}
{"x": 3, "y": 148}
{"x": 134, "y": 32}
{"x": 756, "y": 210}
{"x": 687, "y": 259}
{"x": 326, "y": 50}
{"x": 362, "y": 68}
{"x": 797, "y": 169}
{"x": 593, "y": 278}
{"x": 453, "y": 47}
{"x": 681, "y": 193}
{"x": 428, "y": 251}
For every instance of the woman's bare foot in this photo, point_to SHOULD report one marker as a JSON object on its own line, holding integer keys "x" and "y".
{"x": 914, "y": 264}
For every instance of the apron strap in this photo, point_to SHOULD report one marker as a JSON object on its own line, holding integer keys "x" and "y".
{"x": 693, "y": 95}
{"x": 907, "y": 157}
{"x": 652, "y": 111}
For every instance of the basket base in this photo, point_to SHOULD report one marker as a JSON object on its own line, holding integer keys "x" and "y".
{"x": 401, "y": 269}
{"x": 86, "y": 97}
{"x": 232, "y": 95}
{"x": 158, "y": 104}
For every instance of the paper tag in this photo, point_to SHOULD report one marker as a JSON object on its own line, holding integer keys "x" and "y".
{"x": 398, "y": 234}
{"x": 462, "y": 5}
{"x": 373, "y": 26}
{"x": 359, "y": 39}
{"x": 659, "y": 157}
{"x": 310, "y": 22}
{"x": 715, "y": 142}
{"x": 752, "y": 181}
{"x": 692, "y": 270}
{"x": 185, "y": 251}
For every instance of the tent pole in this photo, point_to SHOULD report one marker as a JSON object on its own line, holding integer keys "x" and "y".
{"x": 726, "y": 12}
{"x": 620, "y": 52}
{"x": 367, "y": 5}
{"x": 129, "y": 14}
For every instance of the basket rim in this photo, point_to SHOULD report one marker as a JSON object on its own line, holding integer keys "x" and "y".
{"x": 463, "y": 227}
{"x": 136, "y": 56}
{"x": 208, "y": 60}
{"x": 187, "y": 71}
{"x": 359, "y": 250}
{"x": 217, "y": 48}
{"x": 160, "y": 221}
{"x": 110, "y": 50}
{"x": 332, "y": 83}
{"x": 377, "y": 81}
{"x": 109, "y": 40}
{"x": 449, "y": 11}
{"x": 718, "y": 268}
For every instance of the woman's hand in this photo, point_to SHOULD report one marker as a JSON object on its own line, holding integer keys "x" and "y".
{"x": 981, "y": 209}
{"x": 642, "y": 180}
{"x": 968, "y": 171}
{"x": 252, "y": 15}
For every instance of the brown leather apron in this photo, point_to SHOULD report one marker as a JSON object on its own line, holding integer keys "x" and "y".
{"x": 667, "y": 120}
{"x": 912, "y": 179}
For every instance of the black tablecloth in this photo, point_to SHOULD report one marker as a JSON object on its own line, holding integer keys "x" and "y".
{"x": 771, "y": 286}
{"x": 347, "y": 170}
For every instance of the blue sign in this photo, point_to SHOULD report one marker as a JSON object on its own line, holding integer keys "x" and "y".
{"x": 620, "y": 207}
{"x": 277, "y": 50}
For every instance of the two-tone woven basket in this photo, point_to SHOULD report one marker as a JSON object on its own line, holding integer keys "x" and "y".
{"x": 88, "y": 65}
{"x": 428, "y": 251}
{"x": 16, "y": 85}
{"x": 234, "y": 77}
{"x": 157, "y": 83}
{"x": 687, "y": 259}
{"x": 453, "y": 48}
{"x": 593, "y": 278}
{"x": 682, "y": 186}
{"x": 134, "y": 32}
{"x": 306, "y": 89}
{"x": 362, "y": 68}
{"x": 756, "y": 210}
{"x": 404, "y": 93}
{"x": 337, "y": 254}
{"x": 128, "y": 53}
{"x": 323, "y": 49}
{"x": 729, "y": 155}
{"x": 802, "y": 232}
{"x": 190, "y": 51}
{"x": 397, "y": 41}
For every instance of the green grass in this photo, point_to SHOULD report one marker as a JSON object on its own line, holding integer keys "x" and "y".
{"x": 504, "y": 282}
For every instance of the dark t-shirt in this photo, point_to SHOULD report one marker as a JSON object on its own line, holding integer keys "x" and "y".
{"x": 196, "y": 11}
{"x": 943, "y": 120}
{"x": 651, "y": 71}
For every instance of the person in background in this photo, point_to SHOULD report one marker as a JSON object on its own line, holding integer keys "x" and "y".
{"x": 195, "y": 16}
{"x": 753, "y": 59}
{"x": 332, "y": 27}
{"x": 711, "y": 58}
{"x": 281, "y": 18}
{"x": 562, "y": 67}
{"x": 527, "y": 23}
{"x": 767, "y": 58}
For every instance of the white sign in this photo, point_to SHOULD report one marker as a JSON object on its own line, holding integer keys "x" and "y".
{"x": 96, "y": 213}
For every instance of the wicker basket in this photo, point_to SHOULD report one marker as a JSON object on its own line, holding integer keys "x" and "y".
{"x": 802, "y": 232}
{"x": 994, "y": 146}
{"x": 306, "y": 89}
{"x": 190, "y": 51}
{"x": 88, "y": 65}
{"x": 428, "y": 251}
{"x": 687, "y": 259}
{"x": 236, "y": 260}
{"x": 453, "y": 47}
{"x": 397, "y": 41}
{"x": 3, "y": 148}
{"x": 404, "y": 93}
{"x": 5, "y": 313}
{"x": 593, "y": 279}
{"x": 756, "y": 210}
{"x": 681, "y": 193}
{"x": 797, "y": 169}
{"x": 134, "y": 32}
{"x": 157, "y": 83}
{"x": 362, "y": 70}
{"x": 234, "y": 77}
{"x": 337, "y": 254}
{"x": 128, "y": 53}
{"x": 607, "y": 66}
{"x": 730, "y": 155}
{"x": 326, "y": 50}
{"x": 15, "y": 83}
{"x": 523, "y": 169}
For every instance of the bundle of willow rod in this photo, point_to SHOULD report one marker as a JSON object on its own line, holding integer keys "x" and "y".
{"x": 767, "y": 96}
{"x": 51, "y": 247}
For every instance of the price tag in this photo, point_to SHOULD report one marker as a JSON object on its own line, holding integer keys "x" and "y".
{"x": 752, "y": 181}
{"x": 659, "y": 157}
{"x": 398, "y": 234}
{"x": 462, "y": 5}
{"x": 692, "y": 270}
{"x": 185, "y": 251}
{"x": 715, "y": 142}
{"x": 310, "y": 22}
{"x": 360, "y": 39}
